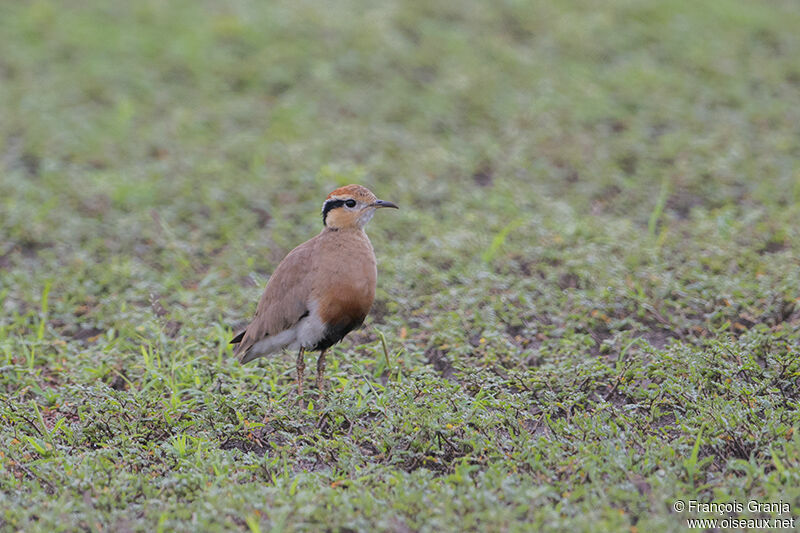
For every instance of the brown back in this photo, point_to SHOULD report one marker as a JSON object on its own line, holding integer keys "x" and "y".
{"x": 335, "y": 270}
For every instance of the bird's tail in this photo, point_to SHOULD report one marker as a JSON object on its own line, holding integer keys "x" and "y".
{"x": 238, "y": 338}
{"x": 245, "y": 354}
{"x": 248, "y": 356}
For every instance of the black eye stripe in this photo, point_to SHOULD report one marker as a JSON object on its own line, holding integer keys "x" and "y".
{"x": 330, "y": 204}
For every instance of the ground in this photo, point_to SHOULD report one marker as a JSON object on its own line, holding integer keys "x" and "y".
{"x": 588, "y": 304}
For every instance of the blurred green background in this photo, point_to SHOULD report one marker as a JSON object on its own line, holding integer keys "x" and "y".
{"x": 589, "y": 297}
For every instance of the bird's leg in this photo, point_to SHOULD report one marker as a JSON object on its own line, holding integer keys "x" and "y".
{"x": 320, "y": 369}
{"x": 301, "y": 370}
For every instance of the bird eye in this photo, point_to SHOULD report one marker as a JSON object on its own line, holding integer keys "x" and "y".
{"x": 350, "y": 203}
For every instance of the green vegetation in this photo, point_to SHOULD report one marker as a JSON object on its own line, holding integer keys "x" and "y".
{"x": 590, "y": 297}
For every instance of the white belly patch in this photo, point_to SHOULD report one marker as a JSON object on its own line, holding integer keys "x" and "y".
{"x": 306, "y": 333}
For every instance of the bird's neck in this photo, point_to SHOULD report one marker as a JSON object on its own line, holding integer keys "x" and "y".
{"x": 346, "y": 229}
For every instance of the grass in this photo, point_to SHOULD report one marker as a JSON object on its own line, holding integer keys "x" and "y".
{"x": 587, "y": 305}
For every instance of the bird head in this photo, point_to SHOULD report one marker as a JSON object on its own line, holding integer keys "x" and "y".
{"x": 351, "y": 206}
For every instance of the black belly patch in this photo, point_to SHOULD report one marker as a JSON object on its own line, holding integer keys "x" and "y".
{"x": 336, "y": 332}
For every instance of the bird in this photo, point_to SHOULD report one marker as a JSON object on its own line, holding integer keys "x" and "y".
{"x": 322, "y": 289}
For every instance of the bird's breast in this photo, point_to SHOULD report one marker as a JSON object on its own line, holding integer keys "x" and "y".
{"x": 347, "y": 277}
